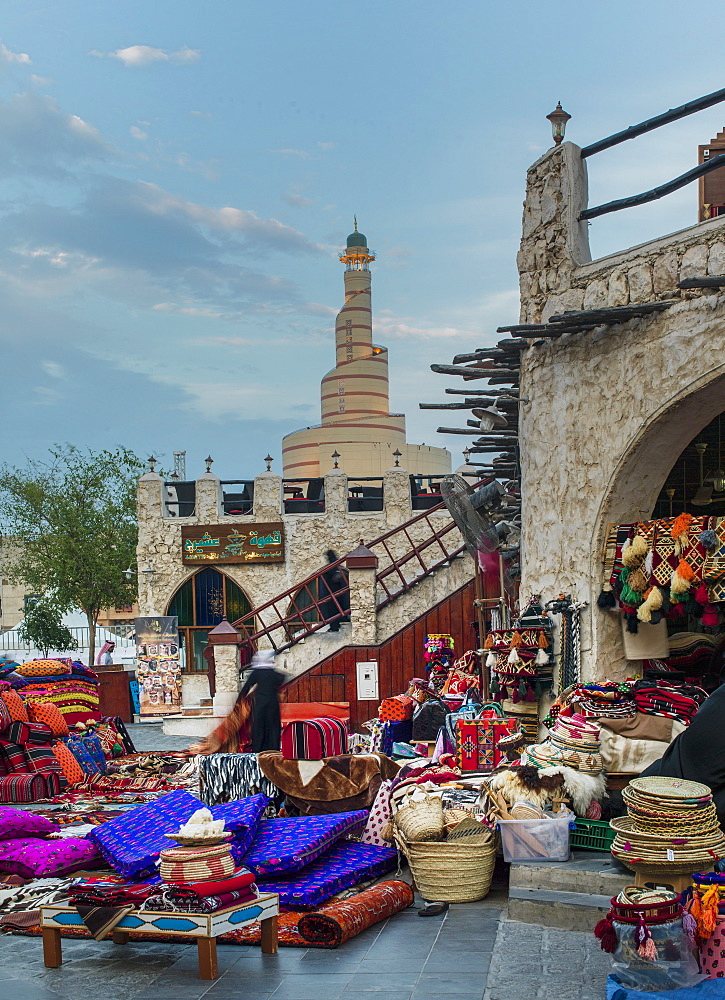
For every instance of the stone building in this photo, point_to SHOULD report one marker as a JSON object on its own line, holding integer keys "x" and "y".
{"x": 609, "y": 417}
{"x": 354, "y": 396}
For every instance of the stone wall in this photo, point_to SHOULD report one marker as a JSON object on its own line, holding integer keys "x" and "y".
{"x": 605, "y": 414}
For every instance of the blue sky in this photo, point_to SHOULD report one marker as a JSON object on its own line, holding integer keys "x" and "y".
{"x": 177, "y": 179}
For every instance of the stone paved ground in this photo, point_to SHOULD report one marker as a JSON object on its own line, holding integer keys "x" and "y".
{"x": 470, "y": 952}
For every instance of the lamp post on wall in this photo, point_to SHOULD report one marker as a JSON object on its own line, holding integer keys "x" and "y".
{"x": 209, "y": 462}
{"x": 268, "y": 459}
{"x": 336, "y": 459}
{"x": 397, "y": 455}
{"x": 558, "y": 118}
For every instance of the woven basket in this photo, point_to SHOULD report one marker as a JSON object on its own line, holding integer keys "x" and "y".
{"x": 451, "y": 871}
{"x": 421, "y": 819}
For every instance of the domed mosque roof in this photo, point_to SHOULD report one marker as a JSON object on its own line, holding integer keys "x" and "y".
{"x": 357, "y": 239}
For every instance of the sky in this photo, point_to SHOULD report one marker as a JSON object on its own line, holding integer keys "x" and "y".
{"x": 177, "y": 180}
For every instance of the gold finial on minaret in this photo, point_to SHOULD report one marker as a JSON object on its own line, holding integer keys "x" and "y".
{"x": 357, "y": 256}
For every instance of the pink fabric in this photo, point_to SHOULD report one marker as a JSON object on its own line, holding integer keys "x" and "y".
{"x": 380, "y": 814}
{"x": 16, "y": 823}
{"x": 34, "y": 858}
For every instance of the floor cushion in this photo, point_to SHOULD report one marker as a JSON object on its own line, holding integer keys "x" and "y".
{"x": 42, "y": 668}
{"x": 14, "y": 758}
{"x": 70, "y": 767}
{"x": 241, "y": 817}
{"x": 131, "y": 843}
{"x": 33, "y": 858}
{"x": 343, "y": 866}
{"x": 5, "y": 716}
{"x": 16, "y": 823}
{"x": 88, "y": 752}
{"x": 15, "y": 705}
{"x": 49, "y": 715}
{"x": 27, "y": 787}
{"x": 111, "y": 743}
{"x": 288, "y": 844}
{"x": 43, "y": 760}
{"x": 28, "y": 732}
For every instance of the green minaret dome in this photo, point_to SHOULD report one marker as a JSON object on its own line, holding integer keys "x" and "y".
{"x": 357, "y": 239}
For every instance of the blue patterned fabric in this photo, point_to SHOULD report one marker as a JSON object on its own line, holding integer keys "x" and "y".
{"x": 132, "y": 843}
{"x": 396, "y": 732}
{"x": 340, "y": 868}
{"x": 286, "y": 845}
{"x": 88, "y": 751}
{"x": 242, "y": 818}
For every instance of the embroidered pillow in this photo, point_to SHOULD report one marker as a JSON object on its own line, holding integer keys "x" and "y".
{"x": 110, "y": 741}
{"x": 15, "y": 705}
{"x": 241, "y": 817}
{"x": 87, "y": 751}
{"x": 18, "y": 823}
{"x": 47, "y": 713}
{"x": 68, "y": 764}
{"x": 46, "y": 858}
{"x": 5, "y": 716}
{"x": 42, "y": 668}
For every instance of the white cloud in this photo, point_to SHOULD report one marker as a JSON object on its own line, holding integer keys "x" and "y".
{"x": 296, "y": 200}
{"x": 40, "y": 81}
{"x": 171, "y": 307}
{"x": 293, "y": 152}
{"x": 200, "y": 114}
{"x": 46, "y": 397}
{"x": 138, "y": 133}
{"x": 54, "y": 370}
{"x": 146, "y": 55}
{"x": 326, "y": 146}
{"x": 14, "y": 57}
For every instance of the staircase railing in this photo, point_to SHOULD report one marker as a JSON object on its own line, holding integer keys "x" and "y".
{"x": 410, "y": 552}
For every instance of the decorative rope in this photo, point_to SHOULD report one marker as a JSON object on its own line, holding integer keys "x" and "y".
{"x": 570, "y": 641}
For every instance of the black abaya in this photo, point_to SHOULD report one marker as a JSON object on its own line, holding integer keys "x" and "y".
{"x": 266, "y": 720}
{"x": 698, "y": 753}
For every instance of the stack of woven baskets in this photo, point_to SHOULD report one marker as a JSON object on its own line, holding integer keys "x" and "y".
{"x": 451, "y": 855}
{"x": 574, "y": 742}
{"x": 671, "y": 826}
{"x": 204, "y": 854}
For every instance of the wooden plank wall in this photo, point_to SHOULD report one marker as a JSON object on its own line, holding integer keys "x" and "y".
{"x": 399, "y": 658}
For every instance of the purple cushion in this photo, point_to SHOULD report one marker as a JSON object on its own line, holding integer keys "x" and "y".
{"x": 241, "y": 817}
{"x": 19, "y": 823}
{"x": 32, "y": 858}
{"x": 343, "y": 866}
{"x": 286, "y": 845}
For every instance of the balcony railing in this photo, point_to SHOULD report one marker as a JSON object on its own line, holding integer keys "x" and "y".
{"x": 304, "y": 496}
{"x": 425, "y": 492}
{"x": 180, "y": 498}
{"x": 365, "y": 494}
{"x": 239, "y": 500}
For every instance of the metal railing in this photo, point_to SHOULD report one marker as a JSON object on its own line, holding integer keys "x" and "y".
{"x": 410, "y": 553}
{"x": 240, "y": 501}
{"x": 11, "y": 640}
{"x": 180, "y": 498}
{"x": 365, "y": 493}
{"x": 303, "y": 496}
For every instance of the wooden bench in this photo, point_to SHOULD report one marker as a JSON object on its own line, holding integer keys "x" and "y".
{"x": 205, "y": 927}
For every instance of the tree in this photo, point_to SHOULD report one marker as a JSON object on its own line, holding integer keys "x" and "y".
{"x": 42, "y": 626}
{"x": 73, "y": 524}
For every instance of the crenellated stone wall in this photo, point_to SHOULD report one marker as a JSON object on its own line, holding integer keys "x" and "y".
{"x": 606, "y": 413}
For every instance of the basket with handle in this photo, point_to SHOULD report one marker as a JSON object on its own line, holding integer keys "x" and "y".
{"x": 451, "y": 871}
{"x": 420, "y": 819}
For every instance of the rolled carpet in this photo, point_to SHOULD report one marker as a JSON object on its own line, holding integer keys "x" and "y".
{"x": 343, "y": 919}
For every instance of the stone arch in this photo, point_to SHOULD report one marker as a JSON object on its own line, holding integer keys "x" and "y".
{"x": 637, "y": 481}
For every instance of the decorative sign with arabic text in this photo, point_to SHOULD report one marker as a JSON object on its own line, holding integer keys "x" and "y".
{"x": 233, "y": 543}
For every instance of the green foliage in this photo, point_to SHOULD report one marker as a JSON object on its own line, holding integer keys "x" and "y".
{"x": 43, "y": 628}
{"x": 73, "y": 524}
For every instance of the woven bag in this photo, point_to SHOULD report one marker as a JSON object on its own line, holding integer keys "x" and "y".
{"x": 451, "y": 871}
{"x": 420, "y": 819}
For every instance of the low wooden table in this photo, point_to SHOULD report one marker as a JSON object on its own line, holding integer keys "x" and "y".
{"x": 205, "y": 927}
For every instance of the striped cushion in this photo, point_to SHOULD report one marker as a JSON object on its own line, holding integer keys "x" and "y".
{"x": 24, "y": 788}
{"x": 5, "y": 716}
{"x": 14, "y": 758}
{"x": 28, "y": 732}
{"x": 42, "y": 759}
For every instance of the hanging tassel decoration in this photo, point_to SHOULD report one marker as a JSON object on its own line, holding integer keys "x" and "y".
{"x": 679, "y": 531}
{"x": 689, "y": 925}
{"x": 707, "y": 538}
{"x": 606, "y": 598}
{"x": 632, "y": 624}
{"x": 531, "y": 694}
{"x": 652, "y": 602}
{"x": 543, "y": 639}
{"x": 542, "y": 658}
{"x": 523, "y": 690}
{"x": 495, "y": 684}
{"x": 605, "y": 933}
{"x": 709, "y": 912}
{"x": 516, "y": 640}
{"x": 513, "y": 658}
{"x": 682, "y": 578}
{"x": 637, "y": 581}
{"x": 491, "y": 660}
{"x": 488, "y": 644}
{"x": 642, "y": 939}
{"x": 633, "y": 555}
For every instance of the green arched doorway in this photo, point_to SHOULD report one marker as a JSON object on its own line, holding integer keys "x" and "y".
{"x": 200, "y": 603}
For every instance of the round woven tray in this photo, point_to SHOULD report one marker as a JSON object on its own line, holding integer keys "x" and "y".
{"x": 450, "y": 871}
{"x": 624, "y": 825}
{"x": 670, "y": 788}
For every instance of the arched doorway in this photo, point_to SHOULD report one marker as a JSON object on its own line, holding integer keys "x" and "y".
{"x": 200, "y": 604}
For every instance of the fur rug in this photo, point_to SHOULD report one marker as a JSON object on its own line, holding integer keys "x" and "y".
{"x": 541, "y": 786}
{"x": 335, "y": 784}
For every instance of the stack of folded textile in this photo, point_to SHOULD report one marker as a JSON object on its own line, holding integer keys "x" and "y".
{"x": 68, "y": 684}
{"x": 29, "y": 769}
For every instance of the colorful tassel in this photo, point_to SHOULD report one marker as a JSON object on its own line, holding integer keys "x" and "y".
{"x": 652, "y": 602}
{"x": 634, "y": 553}
{"x": 606, "y": 598}
{"x": 605, "y": 933}
{"x": 523, "y": 690}
{"x": 689, "y": 925}
{"x": 709, "y": 911}
{"x": 491, "y": 660}
{"x": 648, "y": 950}
{"x": 682, "y": 578}
{"x": 642, "y": 938}
{"x": 707, "y": 538}
{"x": 543, "y": 640}
{"x": 516, "y": 640}
{"x": 680, "y": 528}
{"x": 637, "y": 581}
{"x": 513, "y": 658}
{"x": 488, "y": 644}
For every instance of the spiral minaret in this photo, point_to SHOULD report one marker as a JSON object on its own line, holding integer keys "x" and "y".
{"x": 356, "y": 419}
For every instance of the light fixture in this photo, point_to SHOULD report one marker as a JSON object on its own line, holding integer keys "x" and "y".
{"x": 671, "y": 494}
{"x": 152, "y": 463}
{"x": 335, "y": 456}
{"x": 489, "y": 418}
{"x": 268, "y": 459}
{"x": 703, "y": 496}
{"x": 397, "y": 455}
{"x": 148, "y": 569}
{"x": 129, "y": 573}
{"x": 558, "y": 118}
{"x": 466, "y": 455}
{"x": 209, "y": 462}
